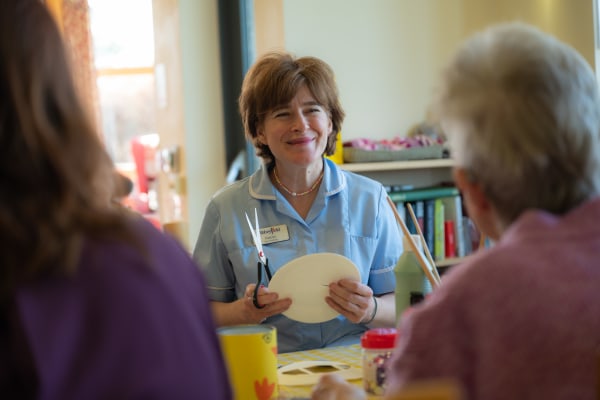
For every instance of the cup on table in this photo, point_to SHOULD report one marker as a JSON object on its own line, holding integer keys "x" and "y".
{"x": 250, "y": 353}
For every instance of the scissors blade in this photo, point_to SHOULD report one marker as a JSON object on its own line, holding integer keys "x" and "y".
{"x": 251, "y": 230}
{"x": 256, "y": 237}
{"x": 259, "y": 247}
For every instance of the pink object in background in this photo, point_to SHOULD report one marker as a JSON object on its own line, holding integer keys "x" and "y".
{"x": 143, "y": 149}
{"x": 396, "y": 143}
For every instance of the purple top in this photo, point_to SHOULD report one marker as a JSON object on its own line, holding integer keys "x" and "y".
{"x": 125, "y": 326}
{"x": 518, "y": 321}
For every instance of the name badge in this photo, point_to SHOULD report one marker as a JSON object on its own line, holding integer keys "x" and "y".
{"x": 273, "y": 234}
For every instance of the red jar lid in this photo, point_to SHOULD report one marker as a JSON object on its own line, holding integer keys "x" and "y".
{"x": 379, "y": 338}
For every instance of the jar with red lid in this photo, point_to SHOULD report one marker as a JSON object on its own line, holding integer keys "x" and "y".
{"x": 377, "y": 346}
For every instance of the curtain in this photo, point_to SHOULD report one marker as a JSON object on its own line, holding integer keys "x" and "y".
{"x": 74, "y": 20}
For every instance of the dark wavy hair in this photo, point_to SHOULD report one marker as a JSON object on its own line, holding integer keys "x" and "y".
{"x": 56, "y": 179}
{"x": 274, "y": 80}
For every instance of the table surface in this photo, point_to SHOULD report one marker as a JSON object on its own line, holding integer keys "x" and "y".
{"x": 351, "y": 355}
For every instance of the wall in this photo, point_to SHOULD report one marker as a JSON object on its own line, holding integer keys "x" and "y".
{"x": 387, "y": 54}
{"x": 187, "y": 45}
{"x": 268, "y": 26}
{"x": 570, "y": 20}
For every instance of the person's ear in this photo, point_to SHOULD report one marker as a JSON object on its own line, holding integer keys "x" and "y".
{"x": 330, "y": 125}
{"x": 470, "y": 189}
{"x": 260, "y": 134}
{"x": 478, "y": 206}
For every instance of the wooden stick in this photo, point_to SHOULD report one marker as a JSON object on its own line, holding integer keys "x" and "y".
{"x": 482, "y": 239}
{"x": 425, "y": 248}
{"x": 415, "y": 249}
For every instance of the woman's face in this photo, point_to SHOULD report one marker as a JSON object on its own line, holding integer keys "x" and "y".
{"x": 297, "y": 132}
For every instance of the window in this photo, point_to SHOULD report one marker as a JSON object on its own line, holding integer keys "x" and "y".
{"x": 123, "y": 42}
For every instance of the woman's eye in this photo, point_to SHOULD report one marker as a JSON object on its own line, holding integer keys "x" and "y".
{"x": 314, "y": 110}
{"x": 281, "y": 114}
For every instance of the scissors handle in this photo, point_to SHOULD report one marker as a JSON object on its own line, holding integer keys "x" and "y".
{"x": 266, "y": 265}
{"x": 259, "y": 267}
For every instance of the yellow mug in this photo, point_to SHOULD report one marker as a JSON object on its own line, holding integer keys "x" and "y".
{"x": 250, "y": 353}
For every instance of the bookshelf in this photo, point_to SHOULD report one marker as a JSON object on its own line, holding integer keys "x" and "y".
{"x": 416, "y": 173}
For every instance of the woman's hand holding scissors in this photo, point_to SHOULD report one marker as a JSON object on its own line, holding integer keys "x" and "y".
{"x": 258, "y": 303}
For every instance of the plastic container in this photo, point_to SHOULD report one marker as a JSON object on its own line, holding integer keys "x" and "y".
{"x": 411, "y": 283}
{"x": 338, "y": 155}
{"x": 377, "y": 345}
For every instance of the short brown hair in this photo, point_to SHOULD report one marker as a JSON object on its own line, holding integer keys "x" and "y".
{"x": 274, "y": 80}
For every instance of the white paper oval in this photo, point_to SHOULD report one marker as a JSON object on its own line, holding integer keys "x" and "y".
{"x": 306, "y": 279}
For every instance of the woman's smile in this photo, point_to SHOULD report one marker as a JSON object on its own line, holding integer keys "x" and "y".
{"x": 301, "y": 140}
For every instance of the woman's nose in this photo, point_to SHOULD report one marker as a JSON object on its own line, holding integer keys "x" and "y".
{"x": 299, "y": 122}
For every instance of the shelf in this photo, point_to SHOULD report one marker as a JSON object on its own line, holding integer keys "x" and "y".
{"x": 416, "y": 173}
{"x": 448, "y": 262}
{"x": 398, "y": 165}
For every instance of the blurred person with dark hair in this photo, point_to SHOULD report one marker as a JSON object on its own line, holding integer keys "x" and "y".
{"x": 94, "y": 302}
{"x": 123, "y": 186}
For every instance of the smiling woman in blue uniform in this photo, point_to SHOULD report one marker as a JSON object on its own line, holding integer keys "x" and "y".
{"x": 291, "y": 112}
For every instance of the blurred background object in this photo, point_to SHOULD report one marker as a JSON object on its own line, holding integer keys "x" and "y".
{"x": 144, "y": 150}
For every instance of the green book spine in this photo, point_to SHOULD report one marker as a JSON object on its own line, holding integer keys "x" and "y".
{"x": 424, "y": 194}
{"x": 439, "y": 248}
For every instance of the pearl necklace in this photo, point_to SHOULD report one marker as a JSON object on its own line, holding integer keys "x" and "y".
{"x": 295, "y": 194}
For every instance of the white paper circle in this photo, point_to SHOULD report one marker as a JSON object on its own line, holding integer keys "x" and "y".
{"x": 306, "y": 279}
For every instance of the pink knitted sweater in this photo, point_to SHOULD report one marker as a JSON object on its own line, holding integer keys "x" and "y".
{"x": 518, "y": 321}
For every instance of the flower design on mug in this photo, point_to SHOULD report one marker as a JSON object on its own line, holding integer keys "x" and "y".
{"x": 264, "y": 390}
{"x": 267, "y": 337}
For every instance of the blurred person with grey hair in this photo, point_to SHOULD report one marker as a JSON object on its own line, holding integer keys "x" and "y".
{"x": 520, "y": 320}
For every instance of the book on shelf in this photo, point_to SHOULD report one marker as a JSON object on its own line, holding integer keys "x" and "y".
{"x": 429, "y": 224}
{"x": 439, "y": 211}
{"x": 407, "y": 219}
{"x": 419, "y": 210}
{"x": 449, "y": 238}
{"x": 467, "y": 236}
{"x": 426, "y": 193}
{"x": 453, "y": 211}
{"x": 439, "y": 251}
{"x": 401, "y": 208}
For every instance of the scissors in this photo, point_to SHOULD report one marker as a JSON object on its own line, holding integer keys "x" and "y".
{"x": 263, "y": 262}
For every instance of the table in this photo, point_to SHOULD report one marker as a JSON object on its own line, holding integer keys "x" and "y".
{"x": 351, "y": 355}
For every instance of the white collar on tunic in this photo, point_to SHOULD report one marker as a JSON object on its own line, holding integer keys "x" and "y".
{"x": 261, "y": 187}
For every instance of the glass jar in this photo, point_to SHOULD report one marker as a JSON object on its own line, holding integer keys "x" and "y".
{"x": 377, "y": 346}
